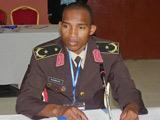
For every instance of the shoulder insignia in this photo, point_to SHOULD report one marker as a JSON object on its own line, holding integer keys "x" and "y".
{"x": 46, "y": 51}
{"x": 108, "y": 47}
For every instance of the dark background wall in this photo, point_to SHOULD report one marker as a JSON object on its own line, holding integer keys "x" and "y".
{"x": 135, "y": 24}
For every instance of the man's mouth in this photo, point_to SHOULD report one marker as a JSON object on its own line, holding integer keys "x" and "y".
{"x": 72, "y": 43}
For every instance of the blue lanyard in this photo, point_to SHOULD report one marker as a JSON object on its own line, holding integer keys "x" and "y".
{"x": 74, "y": 80}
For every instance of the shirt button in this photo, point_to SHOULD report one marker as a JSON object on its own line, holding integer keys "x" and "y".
{"x": 82, "y": 93}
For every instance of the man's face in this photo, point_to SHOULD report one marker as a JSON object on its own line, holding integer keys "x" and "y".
{"x": 75, "y": 29}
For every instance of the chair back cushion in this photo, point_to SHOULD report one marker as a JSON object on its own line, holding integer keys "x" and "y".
{"x": 24, "y": 17}
{"x": 3, "y": 17}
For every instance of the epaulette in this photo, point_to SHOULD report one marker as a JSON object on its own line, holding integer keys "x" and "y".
{"x": 108, "y": 47}
{"x": 46, "y": 51}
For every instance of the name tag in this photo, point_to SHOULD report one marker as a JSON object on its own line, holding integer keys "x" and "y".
{"x": 55, "y": 80}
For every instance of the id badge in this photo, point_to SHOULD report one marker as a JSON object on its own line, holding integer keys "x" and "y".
{"x": 79, "y": 105}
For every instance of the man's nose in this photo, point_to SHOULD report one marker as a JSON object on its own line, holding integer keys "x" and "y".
{"x": 73, "y": 32}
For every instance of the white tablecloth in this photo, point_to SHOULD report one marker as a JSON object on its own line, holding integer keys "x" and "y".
{"x": 16, "y": 48}
{"x": 154, "y": 114}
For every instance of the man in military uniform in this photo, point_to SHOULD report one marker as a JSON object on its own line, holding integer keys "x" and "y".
{"x": 69, "y": 86}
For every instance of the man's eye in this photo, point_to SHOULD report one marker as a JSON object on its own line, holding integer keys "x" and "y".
{"x": 82, "y": 27}
{"x": 65, "y": 26}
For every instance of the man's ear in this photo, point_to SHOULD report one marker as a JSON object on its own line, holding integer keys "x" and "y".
{"x": 60, "y": 24}
{"x": 93, "y": 29}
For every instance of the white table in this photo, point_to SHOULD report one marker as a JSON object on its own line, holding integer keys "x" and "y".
{"x": 154, "y": 114}
{"x": 16, "y": 48}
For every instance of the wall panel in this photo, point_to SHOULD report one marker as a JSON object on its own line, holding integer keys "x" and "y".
{"x": 110, "y": 20}
{"x": 135, "y": 24}
{"x": 142, "y": 29}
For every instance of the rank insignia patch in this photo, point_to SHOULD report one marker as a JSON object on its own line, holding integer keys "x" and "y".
{"x": 46, "y": 51}
{"x": 108, "y": 47}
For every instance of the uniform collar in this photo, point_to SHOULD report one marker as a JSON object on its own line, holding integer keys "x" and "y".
{"x": 82, "y": 55}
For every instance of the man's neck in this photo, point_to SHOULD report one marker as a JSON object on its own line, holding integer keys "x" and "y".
{"x": 82, "y": 55}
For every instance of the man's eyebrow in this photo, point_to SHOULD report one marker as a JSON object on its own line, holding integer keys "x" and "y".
{"x": 65, "y": 22}
{"x": 82, "y": 24}
{"x": 77, "y": 23}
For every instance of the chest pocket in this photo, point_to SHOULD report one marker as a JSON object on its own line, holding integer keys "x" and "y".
{"x": 56, "y": 84}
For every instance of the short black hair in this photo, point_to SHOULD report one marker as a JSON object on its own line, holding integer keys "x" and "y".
{"x": 82, "y": 1}
{"x": 78, "y": 5}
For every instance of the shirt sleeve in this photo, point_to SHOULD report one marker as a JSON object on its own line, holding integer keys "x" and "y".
{"x": 29, "y": 101}
{"x": 123, "y": 87}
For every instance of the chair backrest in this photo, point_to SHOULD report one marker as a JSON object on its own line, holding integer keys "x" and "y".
{"x": 24, "y": 15}
{"x": 3, "y": 17}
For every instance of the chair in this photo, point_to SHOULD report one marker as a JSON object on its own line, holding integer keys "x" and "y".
{"x": 3, "y": 17}
{"x": 24, "y": 15}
